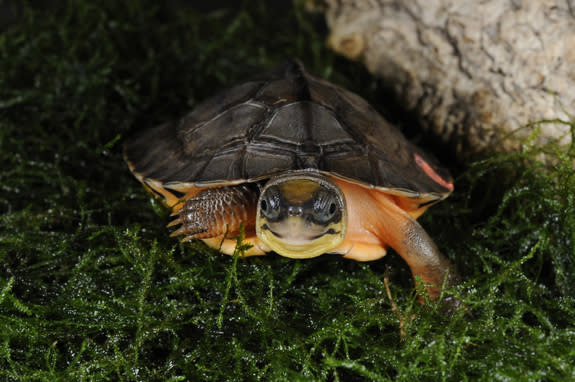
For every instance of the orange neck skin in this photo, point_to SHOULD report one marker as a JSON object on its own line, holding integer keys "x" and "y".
{"x": 376, "y": 222}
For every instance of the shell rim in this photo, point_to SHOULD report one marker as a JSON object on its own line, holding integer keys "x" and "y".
{"x": 183, "y": 186}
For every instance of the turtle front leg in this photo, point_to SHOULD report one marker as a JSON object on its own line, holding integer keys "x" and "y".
{"x": 425, "y": 260}
{"x": 396, "y": 228}
{"x": 216, "y": 212}
{"x": 376, "y": 222}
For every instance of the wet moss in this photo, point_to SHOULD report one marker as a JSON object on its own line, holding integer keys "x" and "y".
{"x": 92, "y": 288}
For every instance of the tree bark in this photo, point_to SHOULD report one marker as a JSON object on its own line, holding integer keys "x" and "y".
{"x": 470, "y": 71}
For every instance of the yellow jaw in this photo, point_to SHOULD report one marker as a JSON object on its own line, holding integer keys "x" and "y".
{"x": 301, "y": 215}
{"x": 297, "y": 239}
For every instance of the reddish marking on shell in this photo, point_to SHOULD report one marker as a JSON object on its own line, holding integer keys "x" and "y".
{"x": 431, "y": 173}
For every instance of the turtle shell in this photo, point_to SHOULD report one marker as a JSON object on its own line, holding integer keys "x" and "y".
{"x": 285, "y": 119}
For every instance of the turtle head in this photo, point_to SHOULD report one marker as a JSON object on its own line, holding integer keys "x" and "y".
{"x": 301, "y": 214}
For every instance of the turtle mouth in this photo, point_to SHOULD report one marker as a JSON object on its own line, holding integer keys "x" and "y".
{"x": 294, "y": 238}
{"x": 299, "y": 239}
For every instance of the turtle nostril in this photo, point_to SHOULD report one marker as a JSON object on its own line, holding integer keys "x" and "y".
{"x": 295, "y": 211}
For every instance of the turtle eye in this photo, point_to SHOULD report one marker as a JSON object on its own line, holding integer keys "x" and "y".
{"x": 329, "y": 210}
{"x": 270, "y": 203}
{"x": 326, "y": 207}
{"x": 332, "y": 208}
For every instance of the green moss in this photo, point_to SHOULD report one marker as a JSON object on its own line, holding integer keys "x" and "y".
{"x": 92, "y": 288}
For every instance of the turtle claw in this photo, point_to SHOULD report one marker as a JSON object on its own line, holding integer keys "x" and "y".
{"x": 180, "y": 231}
{"x": 184, "y": 230}
{"x": 175, "y": 222}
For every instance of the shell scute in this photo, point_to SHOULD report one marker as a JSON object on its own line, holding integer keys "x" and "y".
{"x": 213, "y": 107}
{"x": 286, "y": 119}
{"x": 265, "y": 160}
{"x": 231, "y": 127}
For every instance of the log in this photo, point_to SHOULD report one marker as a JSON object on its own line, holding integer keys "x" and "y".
{"x": 483, "y": 75}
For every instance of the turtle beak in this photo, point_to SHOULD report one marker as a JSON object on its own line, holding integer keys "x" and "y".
{"x": 301, "y": 216}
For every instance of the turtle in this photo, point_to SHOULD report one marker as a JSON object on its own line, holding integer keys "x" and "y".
{"x": 303, "y": 167}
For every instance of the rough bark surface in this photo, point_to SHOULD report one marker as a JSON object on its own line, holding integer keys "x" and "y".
{"x": 471, "y": 71}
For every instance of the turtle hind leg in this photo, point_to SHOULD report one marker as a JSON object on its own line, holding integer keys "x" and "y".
{"x": 216, "y": 212}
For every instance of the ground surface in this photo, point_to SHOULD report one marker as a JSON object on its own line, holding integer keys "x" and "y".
{"x": 93, "y": 289}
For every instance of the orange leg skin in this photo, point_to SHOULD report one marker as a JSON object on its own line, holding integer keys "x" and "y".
{"x": 376, "y": 222}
